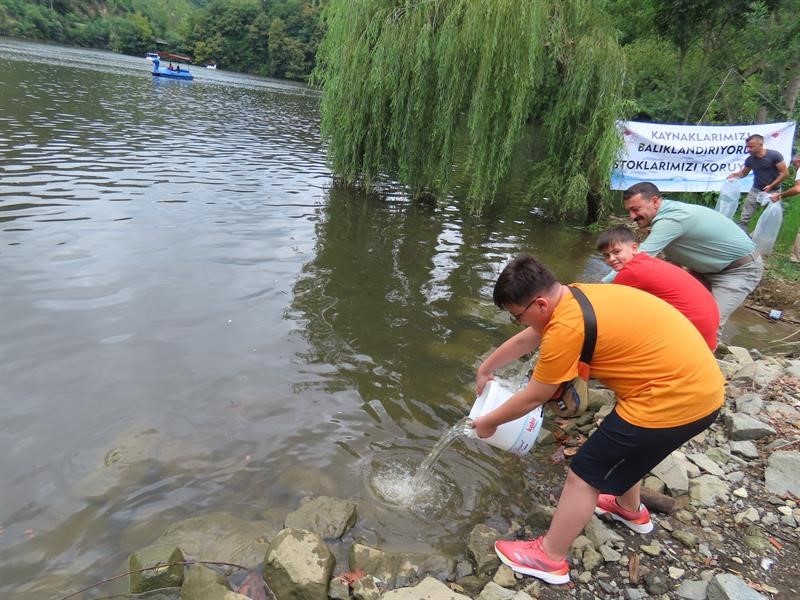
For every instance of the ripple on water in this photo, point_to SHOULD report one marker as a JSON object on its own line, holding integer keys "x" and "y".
{"x": 389, "y": 478}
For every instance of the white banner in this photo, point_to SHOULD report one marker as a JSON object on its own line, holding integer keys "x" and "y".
{"x": 689, "y": 158}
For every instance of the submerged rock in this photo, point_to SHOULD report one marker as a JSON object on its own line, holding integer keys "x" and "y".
{"x": 328, "y": 517}
{"x": 397, "y": 569}
{"x": 162, "y": 577}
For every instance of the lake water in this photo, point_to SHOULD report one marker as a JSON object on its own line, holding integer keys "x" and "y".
{"x": 195, "y": 320}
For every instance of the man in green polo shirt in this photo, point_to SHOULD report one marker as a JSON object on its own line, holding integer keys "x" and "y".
{"x": 700, "y": 239}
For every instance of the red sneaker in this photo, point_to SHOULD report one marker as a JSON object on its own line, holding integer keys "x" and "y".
{"x": 530, "y": 558}
{"x": 637, "y": 521}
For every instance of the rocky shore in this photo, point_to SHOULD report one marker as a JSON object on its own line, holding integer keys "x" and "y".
{"x": 725, "y": 508}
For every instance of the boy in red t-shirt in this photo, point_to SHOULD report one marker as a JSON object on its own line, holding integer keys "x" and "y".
{"x": 660, "y": 278}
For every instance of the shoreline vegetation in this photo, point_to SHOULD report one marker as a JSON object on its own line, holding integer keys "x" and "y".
{"x": 273, "y": 39}
{"x": 280, "y": 39}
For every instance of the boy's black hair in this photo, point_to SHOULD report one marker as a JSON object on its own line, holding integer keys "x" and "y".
{"x": 521, "y": 279}
{"x": 620, "y": 234}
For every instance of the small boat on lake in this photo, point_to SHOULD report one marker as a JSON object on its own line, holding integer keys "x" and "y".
{"x": 176, "y": 73}
{"x": 151, "y": 56}
{"x": 211, "y": 66}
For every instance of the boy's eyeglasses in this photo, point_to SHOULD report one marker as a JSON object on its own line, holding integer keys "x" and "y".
{"x": 516, "y": 318}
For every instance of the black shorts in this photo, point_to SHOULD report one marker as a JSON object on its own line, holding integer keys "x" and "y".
{"x": 618, "y": 454}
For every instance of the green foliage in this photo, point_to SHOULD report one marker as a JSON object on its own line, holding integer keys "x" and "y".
{"x": 779, "y": 264}
{"x": 286, "y": 57}
{"x": 278, "y": 39}
{"x": 234, "y": 33}
{"x": 722, "y": 62}
{"x": 404, "y": 84}
{"x": 31, "y": 20}
{"x": 94, "y": 33}
{"x": 222, "y": 26}
{"x": 131, "y": 35}
{"x": 790, "y": 225}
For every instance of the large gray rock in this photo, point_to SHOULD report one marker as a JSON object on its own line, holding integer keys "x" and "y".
{"x": 742, "y": 355}
{"x": 481, "y": 548}
{"x": 744, "y": 448}
{"x": 325, "y": 516}
{"x": 750, "y": 403}
{"x": 781, "y": 412}
{"x": 758, "y": 374}
{"x": 707, "y": 489}
{"x": 672, "y": 471}
{"x": 599, "y": 533}
{"x": 153, "y": 579}
{"x": 769, "y": 370}
{"x": 397, "y": 569}
{"x": 783, "y": 473}
{"x": 220, "y": 537}
{"x": 745, "y": 375}
{"x": 745, "y": 427}
{"x": 726, "y": 586}
{"x": 706, "y": 463}
{"x": 298, "y": 566}
{"x": 693, "y": 590}
{"x": 428, "y": 589}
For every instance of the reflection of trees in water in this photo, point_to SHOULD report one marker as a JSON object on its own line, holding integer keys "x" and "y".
{"x": 362, "y": 296}
{"x": 397, "y": 299}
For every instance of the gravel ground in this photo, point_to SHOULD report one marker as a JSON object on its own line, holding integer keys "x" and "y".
{"x": 746, "y": 531}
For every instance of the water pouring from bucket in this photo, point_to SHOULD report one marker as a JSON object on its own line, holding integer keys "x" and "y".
{"x": 516, "y": 436}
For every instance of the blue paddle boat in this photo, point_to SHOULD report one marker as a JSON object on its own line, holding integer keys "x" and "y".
{"x": 176, "y": 73}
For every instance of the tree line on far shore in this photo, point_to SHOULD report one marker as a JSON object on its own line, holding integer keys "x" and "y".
{"x": 276, "y": 38}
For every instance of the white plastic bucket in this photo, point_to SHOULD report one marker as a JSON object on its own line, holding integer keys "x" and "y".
{"x": 516, "y": 436}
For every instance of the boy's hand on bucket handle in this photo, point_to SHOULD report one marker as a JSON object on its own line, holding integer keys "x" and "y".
{"x": 483, "y": 430}
{"x": 481, "y": 379}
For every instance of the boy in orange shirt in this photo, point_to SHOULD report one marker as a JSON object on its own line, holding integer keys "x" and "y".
{"x": 666, "y": 380}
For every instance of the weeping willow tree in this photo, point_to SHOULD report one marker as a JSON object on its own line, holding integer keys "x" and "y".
{"x": 408, "y": 83}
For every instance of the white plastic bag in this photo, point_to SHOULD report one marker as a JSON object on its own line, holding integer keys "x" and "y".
{"x": 763, "y": 198}
{"x": 728, "y": 200}
{"x": 767, "y": 228}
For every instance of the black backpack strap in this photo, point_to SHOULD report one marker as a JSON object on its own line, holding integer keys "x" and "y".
{"x": 589, "y": 325}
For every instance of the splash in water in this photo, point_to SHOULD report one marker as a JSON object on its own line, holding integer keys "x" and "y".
{"x": 463, "y": 427}
{"x": 419, "y": 489}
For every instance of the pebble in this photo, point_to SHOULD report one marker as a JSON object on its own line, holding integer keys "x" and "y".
{"x": 653, "y": 549}
{"x": 676, "y": 573}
